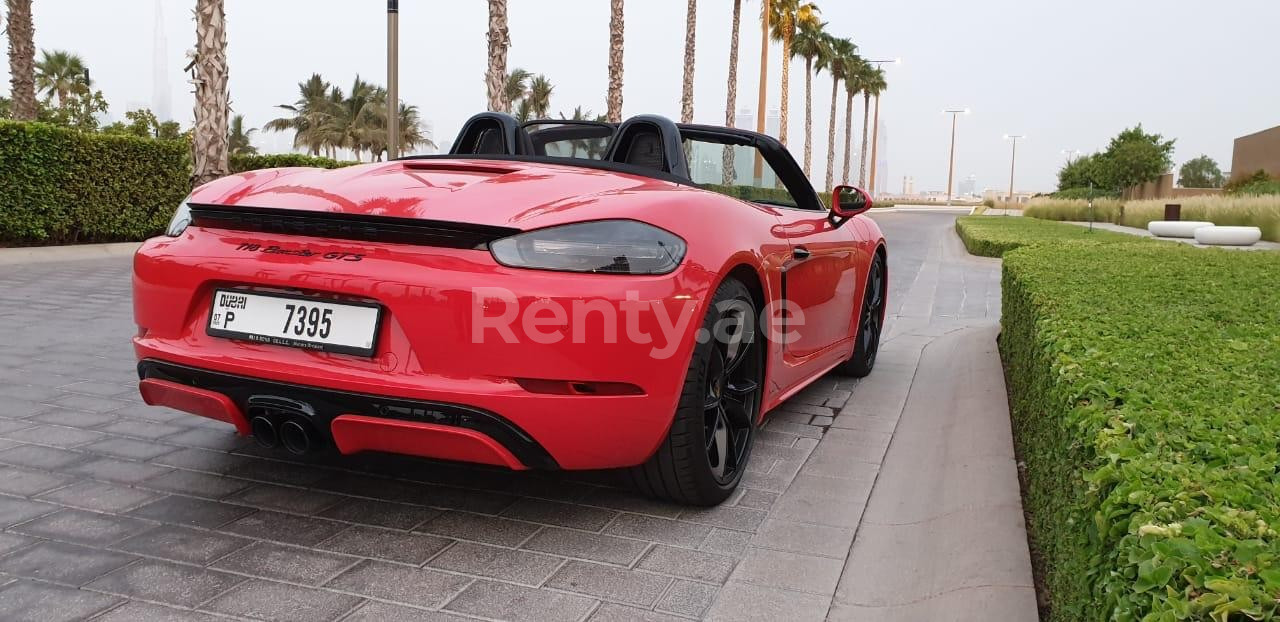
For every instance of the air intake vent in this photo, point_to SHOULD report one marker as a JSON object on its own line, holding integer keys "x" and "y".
{"x": 348, "y": 226}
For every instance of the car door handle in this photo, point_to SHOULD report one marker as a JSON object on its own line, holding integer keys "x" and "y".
{"x": 800, "y": 253}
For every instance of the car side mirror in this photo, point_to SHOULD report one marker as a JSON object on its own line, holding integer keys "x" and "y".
{"x": 847, "y": 202}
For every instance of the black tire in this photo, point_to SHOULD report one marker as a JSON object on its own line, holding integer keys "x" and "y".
{"x": 720, "y": 403}
{"x": 870, "y": 323}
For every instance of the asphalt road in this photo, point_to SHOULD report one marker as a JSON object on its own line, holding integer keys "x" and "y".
{"x": 864, "y": 500}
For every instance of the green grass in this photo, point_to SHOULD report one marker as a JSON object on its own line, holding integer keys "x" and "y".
{"x": 993, "y": 236}
{"x": 1144, "y": 385}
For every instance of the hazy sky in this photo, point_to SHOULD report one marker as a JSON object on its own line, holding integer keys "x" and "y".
{"x": 1067, "y": 74}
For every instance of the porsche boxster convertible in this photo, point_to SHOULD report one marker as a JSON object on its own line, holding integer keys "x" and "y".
{"x": 552, "y": 295}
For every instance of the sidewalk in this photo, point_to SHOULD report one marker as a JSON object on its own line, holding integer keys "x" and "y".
{"x": 1259, "y": 246}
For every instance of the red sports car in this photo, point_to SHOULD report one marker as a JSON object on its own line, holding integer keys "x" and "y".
{"x": 557, "y": 295}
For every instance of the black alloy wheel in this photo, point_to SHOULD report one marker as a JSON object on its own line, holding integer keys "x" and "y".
{"x": 870, "y": 323}
{"x": 707, "y": 448}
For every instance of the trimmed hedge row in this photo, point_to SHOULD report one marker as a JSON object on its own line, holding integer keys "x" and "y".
{"x": 750, "y": 193}
{"x": 993, "y": 236}
{"x": 1144, "y": 385}
{"x": 64, "y": 186}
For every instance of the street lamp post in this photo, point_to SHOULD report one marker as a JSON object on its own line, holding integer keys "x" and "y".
{"x": 875, "y": 127}
{"x": 393, "y": 78}
{"x": 1012, "y": 161}
{"x": 951, "y": 162}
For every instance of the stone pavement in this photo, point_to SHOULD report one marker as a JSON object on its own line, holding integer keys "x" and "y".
{"x": 886, "y": 498}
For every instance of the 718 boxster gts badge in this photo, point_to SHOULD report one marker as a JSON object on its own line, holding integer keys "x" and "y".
{"x": 550, "y": 295}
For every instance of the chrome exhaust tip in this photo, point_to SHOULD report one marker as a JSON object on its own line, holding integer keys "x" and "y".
{"x": 264, "y": 432}
{"x": 295, "y": 437}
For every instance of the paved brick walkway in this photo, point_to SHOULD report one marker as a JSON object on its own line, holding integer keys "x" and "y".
{"x": 113, "y": 510}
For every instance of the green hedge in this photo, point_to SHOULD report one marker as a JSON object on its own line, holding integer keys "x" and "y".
{"x": 1144, "y": 386}
{"x": 65, "y": 186}
{"x": 750, "y": 193}
{"x": 241, "y": 163}
{"x": 993, "y": 236}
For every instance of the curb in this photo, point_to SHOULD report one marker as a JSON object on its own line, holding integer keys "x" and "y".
{"x": 44, "y": 254}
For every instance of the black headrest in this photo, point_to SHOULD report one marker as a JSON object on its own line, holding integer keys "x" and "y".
{"x": 490, "y": 133}
{"x": 650, "y": 141}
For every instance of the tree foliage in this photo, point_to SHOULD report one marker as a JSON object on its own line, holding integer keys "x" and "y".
{"x": 1201, "y": 172}
{"x": 325, "y": 118}
{"x": 1132, "y": 157}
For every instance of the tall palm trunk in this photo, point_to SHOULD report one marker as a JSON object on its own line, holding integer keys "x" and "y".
{"x": 614, "y": 99}
{"x": 209, "y": 143}
{"x": 686, "y": 93}
{"x": 730, "y": 107}
{"x": 495, "y": 77}
{"x": 862, "y": 160}
{"x": 786, "y": 80}
{"x": 831, "y": 134}
{"x": 848, "y": 135}
{"x": 808, "y": 117}
{"x": 22, "y": 60}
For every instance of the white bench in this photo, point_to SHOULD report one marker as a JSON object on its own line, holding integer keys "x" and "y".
{"x": 1176, "y": 228}
{"x": 1228, "y": 236}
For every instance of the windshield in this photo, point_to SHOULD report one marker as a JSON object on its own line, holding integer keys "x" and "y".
{"x": 584, "y": 140}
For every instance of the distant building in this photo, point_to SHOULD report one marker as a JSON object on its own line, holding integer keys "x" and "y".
{"x": 908, "y": 185}
{"x": 882, "y": 160}
{"x": 161, "y": 98}
{"x": 969, "y": 186}
{"x": 745, "y": 119}
{"x": 773, "y": 122}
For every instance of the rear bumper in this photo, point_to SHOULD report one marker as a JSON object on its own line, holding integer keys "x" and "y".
{"x": 349, "y": 422}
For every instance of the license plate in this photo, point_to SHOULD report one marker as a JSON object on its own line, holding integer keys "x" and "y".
{"x": 295, "y": 321}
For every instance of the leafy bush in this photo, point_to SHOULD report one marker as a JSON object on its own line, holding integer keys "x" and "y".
{"x": 1144, "y": 386}
{"x": 778, "y": 195}
{"x": 61, "y": 185}
{"x": 1104, "y": 210}
{"x": 1236, "y": 185}
{"x": 253, "y": 162}
{"x": 1084, "y": 193}
{"x": 993, "y": 236}
{"x": 1257, "y": 211}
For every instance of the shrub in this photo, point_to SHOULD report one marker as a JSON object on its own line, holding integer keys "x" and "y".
{"x": 1144, "y": 385}
{"x": 252, "y": 162}
{"x": 1236, "y": 185}
{"x": 1258, "y": 211}
{"x": 62, "y": 185}
{"x": 993, "y": 236}
{"x": 1084, "y": 193}
{"x": 1104, "y": 210}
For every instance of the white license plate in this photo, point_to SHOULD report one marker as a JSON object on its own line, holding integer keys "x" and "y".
{"x": 295, "y": 321}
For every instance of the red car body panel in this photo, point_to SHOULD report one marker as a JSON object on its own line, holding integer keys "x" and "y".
{"x": 425, "y": 347}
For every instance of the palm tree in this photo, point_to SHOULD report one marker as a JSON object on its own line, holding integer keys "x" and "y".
{"x": 854, "y": 82}
{"x": 22, "y": 59}
{"x": 238, "y": 138}
{"x": 539, "y": 95}
{"x": 686, "y": 90}
{"x": 837, "y": 63}
{"x": 785, "y": 16}
{"x": 873, "y": 85}
{"x": 811, "y": 43}
{"x": 731, "y": 105}
{"x": 209, "y": 142}
{"x": 308, "y": 115}
{"x": 498, "y": 44}
{"x": 61, "y": 73}
{"x": 614, "y": 98}
{"x": 515, "y": 86}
